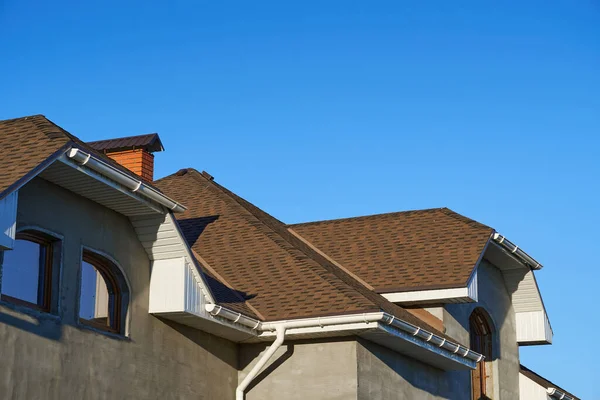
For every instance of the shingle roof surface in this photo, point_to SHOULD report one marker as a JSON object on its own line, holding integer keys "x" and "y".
{"x": 543, "y": 381}
{"x": 151, "y": 142}
{"x": 274, "y": 272}
{"x": 27, "y": 142}
{"x": 425, "y": 249}
{"x": 24, "y": 144}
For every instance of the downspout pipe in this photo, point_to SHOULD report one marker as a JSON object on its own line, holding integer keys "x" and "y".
{"x": 135, "y": 185}
{"x": 513, "y": 249}
{"x": 241, "y": 389}
{"x": 559, "y": 394}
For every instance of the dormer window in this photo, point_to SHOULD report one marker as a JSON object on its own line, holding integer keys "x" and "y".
{"x": 28, "y": 270}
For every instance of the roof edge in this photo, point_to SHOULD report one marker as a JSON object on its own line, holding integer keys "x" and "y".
{"x": 425, "y": 338}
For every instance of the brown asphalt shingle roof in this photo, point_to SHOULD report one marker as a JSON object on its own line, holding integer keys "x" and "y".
{"x": 542, "y": 381}
{"x": 412, "y": 250}
{"x": 26, "y": 143}
{"x": 277, "y": 274}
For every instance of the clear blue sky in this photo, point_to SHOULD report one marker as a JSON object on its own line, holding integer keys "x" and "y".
{"x": 332, "y": 109}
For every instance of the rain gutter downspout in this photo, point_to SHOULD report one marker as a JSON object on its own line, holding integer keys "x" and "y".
{"x": 135, "y": 185}
{"x": 281, "y": 326}
{"x": 239, "y": 391}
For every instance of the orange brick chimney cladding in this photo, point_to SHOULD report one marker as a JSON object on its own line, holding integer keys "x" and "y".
{"x": 138, "y": 161}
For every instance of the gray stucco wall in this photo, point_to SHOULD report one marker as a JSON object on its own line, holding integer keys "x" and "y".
{"x": 495, "y": 299}
{"x": 299, "y": 371}
{"x": 386, "y": 375}
{"x": 44, "y": 356}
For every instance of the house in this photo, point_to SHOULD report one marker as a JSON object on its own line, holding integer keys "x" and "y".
{"x": 114, "y": 285}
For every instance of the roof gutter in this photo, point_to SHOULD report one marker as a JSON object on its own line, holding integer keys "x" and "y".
{"x": 558, "y": 394}
{"x": 513, "y": 249}
{"x": 282, "y": 326}
{"x": 135, "y": 185}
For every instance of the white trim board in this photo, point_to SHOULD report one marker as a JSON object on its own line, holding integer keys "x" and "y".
{"x": 466, "y": 294}
{"x": 8, "y": 220}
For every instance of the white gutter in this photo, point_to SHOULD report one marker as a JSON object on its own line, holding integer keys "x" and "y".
{"x": 558, "y": 394}
{"x": 135, "y": 185}
{"x": 516, "y": 251}
{"x": 281, "y": 326}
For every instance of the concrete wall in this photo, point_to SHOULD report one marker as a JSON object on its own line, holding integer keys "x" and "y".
{"x": 386, "y": 375}
{"x": 495, "y": 299}
{"x": 303, "y": 370}
{"x": 44, "y": 356}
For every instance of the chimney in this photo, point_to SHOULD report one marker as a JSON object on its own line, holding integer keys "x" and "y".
{"x": 132, "y": 152}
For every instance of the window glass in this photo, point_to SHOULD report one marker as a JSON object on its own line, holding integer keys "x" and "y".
{"x": 21, "y": 271}
{"x": 94, "y": 299}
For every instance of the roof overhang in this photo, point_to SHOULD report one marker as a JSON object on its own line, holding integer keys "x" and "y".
{"x": 533, "y": 324}
{"x": 92, "y": 178}
{"x": 466, "y": 294}
{"x": 535, "y": 387}
{"x": 378, "y": 327}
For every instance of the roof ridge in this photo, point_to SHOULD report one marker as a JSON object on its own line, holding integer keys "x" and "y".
{"x": 388, "y": 214}
{"x": 465, "y": 220}
{"x": 22, "y": 118}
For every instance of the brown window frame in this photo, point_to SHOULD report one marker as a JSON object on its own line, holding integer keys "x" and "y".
{"x": 46, "y": 262}
{"x": 482, "y": 337}
{"x": 106, "y": 269}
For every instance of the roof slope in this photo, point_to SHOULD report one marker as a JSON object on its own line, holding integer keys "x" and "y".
{"x": 412, "y": 250}
{"x": 543, "y": 381}
{"x": 27, "y": 143}
{"x": 254, "y": 253}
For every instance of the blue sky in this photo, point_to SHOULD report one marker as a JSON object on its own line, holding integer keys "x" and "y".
{"x": 319, "y": 110}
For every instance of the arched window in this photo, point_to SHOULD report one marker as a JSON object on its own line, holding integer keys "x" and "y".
{"x": 28, "y": 272}
{"x": 104, "y": 294}
{"x": 482, "y": 338}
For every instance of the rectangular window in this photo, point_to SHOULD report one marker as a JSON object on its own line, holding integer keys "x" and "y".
{"x": 27, "y": 271}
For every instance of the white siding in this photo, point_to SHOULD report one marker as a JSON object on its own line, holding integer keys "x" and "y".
{"x": 167, "y": 286}
{"x": 8, "y": 220}
{"x": 533, "y": 327}
{"x": 174, "y": 289}
{"x": 525, "y": 293}
{"x": 530, "y": 390}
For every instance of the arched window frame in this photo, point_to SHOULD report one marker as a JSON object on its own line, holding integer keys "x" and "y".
{"x": 49, "y": 265}
{"x": 117, "y": 286}
{"x": 482, "y": 336}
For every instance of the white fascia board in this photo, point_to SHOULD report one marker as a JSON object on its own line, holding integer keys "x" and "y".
{"x": 466, "y": 294}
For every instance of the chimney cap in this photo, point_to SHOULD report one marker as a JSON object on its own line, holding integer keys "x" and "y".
{"x": 150, "y": 142}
